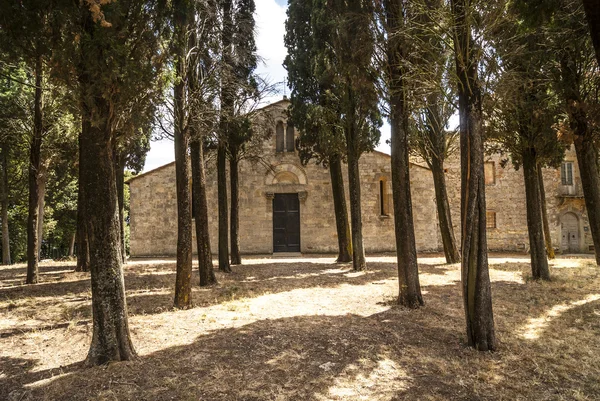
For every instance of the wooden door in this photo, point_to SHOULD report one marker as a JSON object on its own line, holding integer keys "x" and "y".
{"x": 286, "y": 223}
{"x": 570, "y": 233}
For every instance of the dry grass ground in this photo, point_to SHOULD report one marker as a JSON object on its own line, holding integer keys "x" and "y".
{"x": 306, "y": 329}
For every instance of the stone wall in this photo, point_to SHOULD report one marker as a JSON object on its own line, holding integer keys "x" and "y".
{"x": 154, "y": 211}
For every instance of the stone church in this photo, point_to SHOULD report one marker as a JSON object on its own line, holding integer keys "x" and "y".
{"x": 287, "y": 207}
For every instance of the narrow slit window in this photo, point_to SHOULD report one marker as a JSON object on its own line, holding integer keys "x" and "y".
{"x": 383, "y": 210}
{"x": 279, "y": 140}
{"x": 289, "y": 139}
{"x": 566, "y": 173}
{"x": 490, "y": 217}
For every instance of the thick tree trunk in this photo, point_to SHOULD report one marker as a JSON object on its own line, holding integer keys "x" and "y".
{"x": 72, "y": 245}
{"x": 205, "y": 265}
{"x": 110, "y": 340}
{"x": 358, "y": 251}
{"x": 477, "y": 294}
{"x": 341, "y": 210}
{"x": 535, "y": 226}
{"x": 223, "y": 214}
{"x": 234, "y": 222}
{"x": 42, "y": 181}
{"x": 4, "y": 206}
{"x": 443, "y": 211}
{"x": 34, "y": 169}
{"x": 592, "y": 14}
{"x": 547, "y": 234}
{"x": 183, "y": 279}
{"x": 585, "y": 148}
{"x": 120, "y": 177}
{"x": 406, "y": 249}
{"x": 83, "y": 246}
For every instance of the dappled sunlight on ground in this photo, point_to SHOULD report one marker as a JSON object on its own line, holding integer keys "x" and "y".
{"x": 536, "y": 326}
{"x": 306, "y": 329}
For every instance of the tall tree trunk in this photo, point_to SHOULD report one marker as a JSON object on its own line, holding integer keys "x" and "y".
{"x": 42, "y": 181}
{"x": 341, "y": 210}
{"x": 4, "y": 206}
{"x": 227, "y": 109}
{"x": 443, "y": 211}
{"x": 83, "y": 246}
{"x": 234, "y": 222}
{"x": 223, "y": 215}
{"x": 183, "y": 279}
{"x": 358, "y": 251}
{"x": 585, "y": 148}
{"x": 111, "y": 339}
{"x": 120, "y": 176}
{"x": 34, "y": 169}
{"x": 592, "y": 14}
{"x": 205, "y": 265}
{"x": 406, "y": 249}
{"x": 535, "y": 226}
{"x": 547, "y": 234}
{"x": 477, "y": 294}
{"x": 72, "y": 245}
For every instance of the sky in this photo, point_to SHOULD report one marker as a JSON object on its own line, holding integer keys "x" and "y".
{"x": 270, "y": 25}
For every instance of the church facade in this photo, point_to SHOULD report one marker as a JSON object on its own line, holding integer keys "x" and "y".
{"x": 286, "y": 207}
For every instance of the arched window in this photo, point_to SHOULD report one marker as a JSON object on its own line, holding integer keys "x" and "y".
{"x": 279, "y": 137}
{"x": 289, "y": 139}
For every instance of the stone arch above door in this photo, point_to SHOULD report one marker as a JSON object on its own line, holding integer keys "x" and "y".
{"x": 285, "y": 173}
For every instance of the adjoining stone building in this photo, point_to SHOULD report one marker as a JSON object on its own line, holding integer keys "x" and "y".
{"x": 287, "y": 207}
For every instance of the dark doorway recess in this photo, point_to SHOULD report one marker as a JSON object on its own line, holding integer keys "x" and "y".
{"x": 286, "y": 223}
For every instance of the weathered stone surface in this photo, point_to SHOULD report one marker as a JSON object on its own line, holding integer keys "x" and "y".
{"x": 154, "y": 211}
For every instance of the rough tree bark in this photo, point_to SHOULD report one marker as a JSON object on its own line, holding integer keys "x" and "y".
{"x": 443, "y": 210}
{"x": 535, "y": 226}
{"x": 4, "y": 206}
{"x": 406, "y": 249}
{"x": 234, "y": 221}
{"x": 358, "y": 251}
{"x": 120, "y": 176}
{"x": 34, "y": 169}
{"x": 585, "y": 148}
{"x": 477, "y": 294}
{"x": 227, "y": 105}
{"x": 223, "y": 213}
{"x": 110, "y": 340}
{"x": 183, "y": 278}
{"x": 83, "y": 246}
{"x": 341, "y": 210}
{"x": 42, "y": 181}
{"x": 592, "y": 14}
{"x": 205, "y": 265}
{"x": 547, "y": 234}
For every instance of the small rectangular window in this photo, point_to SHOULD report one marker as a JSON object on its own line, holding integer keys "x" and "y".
{"x": 383, "y": 199}
{"x": 490, "y": 218}
{"x": 489, "y": 169}
{"x": 566, "y": 173}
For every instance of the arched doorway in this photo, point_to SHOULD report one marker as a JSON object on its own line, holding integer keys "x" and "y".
{"x": 569, "y": 227}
